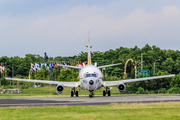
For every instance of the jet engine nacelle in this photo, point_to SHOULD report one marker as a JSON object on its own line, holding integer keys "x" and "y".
{"x": 121, "y": 87}
{"x": 59, "y": 88}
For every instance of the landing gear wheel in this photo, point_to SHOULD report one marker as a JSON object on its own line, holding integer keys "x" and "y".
{"x": 76, "y": 93}
{"x": 72, "y": 93}
{"x": 104, "y": 93}
{"x": 91, "y": 95}
{"x": 109, "y": 93}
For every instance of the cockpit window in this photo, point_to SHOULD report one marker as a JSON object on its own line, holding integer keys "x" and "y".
{"x": 94, "y": 75}
{"x": 88, "y": 75}
{"x": 91, "y": 75}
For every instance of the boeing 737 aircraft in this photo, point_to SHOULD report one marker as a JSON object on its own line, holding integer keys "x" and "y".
{"x": 90, "y": 79}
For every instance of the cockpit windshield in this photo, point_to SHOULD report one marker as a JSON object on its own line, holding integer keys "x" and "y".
{"x": 91, "y": 75}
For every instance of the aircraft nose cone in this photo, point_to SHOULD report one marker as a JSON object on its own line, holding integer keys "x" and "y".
{"x": 91, "y": 82}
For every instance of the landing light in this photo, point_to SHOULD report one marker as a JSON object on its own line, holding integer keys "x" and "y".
{"x": 77, "y": 84}
{"x": 104, "y": 83}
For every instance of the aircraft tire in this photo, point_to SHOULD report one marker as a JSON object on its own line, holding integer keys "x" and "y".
{"x": 91, "y": 95}
{"x": 72, "y": 93}
{"x": 76, "y": 93}
{"x": 109, "y": 93}
{"x": 104, "y": 93}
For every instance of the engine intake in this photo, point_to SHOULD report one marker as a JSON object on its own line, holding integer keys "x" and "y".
{"x": 121, "y": 87}
{"x": 59, "y": 89}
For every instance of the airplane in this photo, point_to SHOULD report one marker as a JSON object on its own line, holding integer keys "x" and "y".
{"x": 90, "y": 79}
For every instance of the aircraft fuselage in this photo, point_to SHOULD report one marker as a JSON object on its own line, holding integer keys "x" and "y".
{"x": 90, "y": 78}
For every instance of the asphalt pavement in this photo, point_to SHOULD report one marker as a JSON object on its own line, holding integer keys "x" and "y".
{"x": 85, "y": 100}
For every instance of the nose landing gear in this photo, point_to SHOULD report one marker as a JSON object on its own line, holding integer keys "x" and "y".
{"x": 107, "y": 91}
{"x": 91, "y": 95}
{"x": 74, "y": 92}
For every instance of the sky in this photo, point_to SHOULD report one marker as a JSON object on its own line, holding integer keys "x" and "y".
{"x": 60, "y": 27}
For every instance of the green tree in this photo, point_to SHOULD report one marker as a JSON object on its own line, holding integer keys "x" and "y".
{"x": 168, "y": 65}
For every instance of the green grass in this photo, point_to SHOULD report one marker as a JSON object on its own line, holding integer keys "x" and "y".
{"x": 124, "y": 111}
{"x": 51, "y": 91}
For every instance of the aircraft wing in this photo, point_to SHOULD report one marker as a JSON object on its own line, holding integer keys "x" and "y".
{"x": 109, "y": 65}
{"x": 115, "y": 83}
{"x": 67, "y": 84}
{"x": 75, "y": 67}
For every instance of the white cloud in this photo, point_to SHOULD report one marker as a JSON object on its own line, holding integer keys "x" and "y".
{"x": 138, "y": 27}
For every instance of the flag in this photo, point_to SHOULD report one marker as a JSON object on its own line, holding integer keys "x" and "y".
{"x": 43, "y": 64}
{"x": 55, "y": 65}
{"x": 1, "y": 66}
{"x": 47, "y": 68}
{"x": 40, "y": 66}
{"x": 65, "y": 66}
{"x": 68, "y": 64}
{"x": 80, "y": 64}
{"x": 37, "y": 66}
{"x": 32, "y": 67}
{"x": 49, "y": 65}
{"x": 52, "y": 65}
{"x": 4, "y": 68}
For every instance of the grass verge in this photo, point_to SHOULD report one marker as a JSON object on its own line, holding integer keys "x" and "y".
{"x": 51, "y": 91}
{"x": 124, "y": 111}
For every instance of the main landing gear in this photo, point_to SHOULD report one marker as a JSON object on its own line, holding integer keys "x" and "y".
{"x": 91, "y": 95}
{"x": 107, "y": 91}
{"x": 74, "y": 92}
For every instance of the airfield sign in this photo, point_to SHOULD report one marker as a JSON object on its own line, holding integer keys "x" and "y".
{"x": 144, "y": 73}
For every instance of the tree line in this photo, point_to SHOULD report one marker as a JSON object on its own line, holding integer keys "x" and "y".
{"x": 169, "y": 64}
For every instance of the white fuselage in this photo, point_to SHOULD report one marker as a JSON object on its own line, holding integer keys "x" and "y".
{"x": 90, "y": 78}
